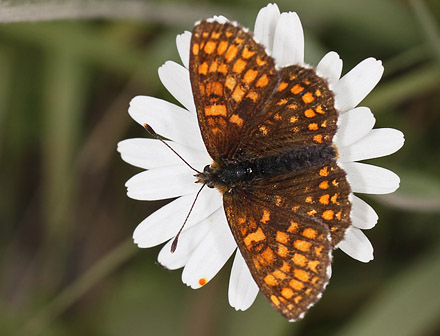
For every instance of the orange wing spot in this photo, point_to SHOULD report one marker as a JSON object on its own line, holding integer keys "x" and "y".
{"x": 312, "y": 265}
{"x": 313, "y": 126}
{"x": 292, "y": 106}
{"x": 268, "y": 255}
{"x": 297, "y": 299}
{"x": 302, "y": 245}
{"x": 296, "y": 285}
{"x": 262, "y": 81}
{"x": 295, "y": 208}
{"x": 202, "y": 88}
{"x": 263, "y": 129}
{"x": 283, "y": 251}
{"x": 282, "y": 86}
{"x": 338, "y": 215}
{"x": 256, "y": 236}
{"x": 292, "y": 77}
{"x": 296, "y": 129}
{"x": 310, "y": 233}
{"x": 308, "y": 291}
{"x": 285, "y": 268}
{"x": 243, "y": 230}
{"x": 318, "y": 138}
{"x": 266, "y": 216}
{"x": 282, "y": 237}
{"x": 282, "y": 102}
{"x": 301, "y": 275}
{"x": 309, "y": 199}
{"x": 230, "y": 82}
{"x": 215, "y": 110}
{"x": 270, "y": 280}
{"x": 309, "y": 113}
{"x": 246, "y": 53}
{"x": 213, "y": 67}
{"x": 323, "y": 184}
{"x": 334, "y": 199}
{"x": 287, "y": 293}
{"x": 335, "y": 183}
{"x": 278, "y": 200}
{"x": 217, "y": 88}
{"x": 324, "y": 199}
{"x": 318, "y": 251}
{"x": 210, "y": 47}
{"x": 260, "y": 62}
{"x": 205, "y": 34}
{"x": 202, "y": 282}
{"x": 195, "y": 49}
{"x": 277, "y": 116}
{"x": 231, "y": 53}
{"x": 307, "y": 82}
{"x": 252, "y": 95}
{"x": 215, "y": 130}
{"x": 228, "y": 34}
{"x": 324, "y": 124}
{"x": 215, "y": 35}
{"x": 328, "y": 214}
{"x": 235, "y": 118}
{"x": 324, "y": 172}
{"x": 275, "y": 300}
{"x": 293, "y": 119}
{"x": 312, "y": 212}
{"x": 297, "y": 89}
{"x": 239, "y": 66}
{"x": 318, "y": 93}
{"x": 308, "y": 98}
{"x": 315, "y": 280}
{"x": 320, "y": 110}
{"x": 223, "y": 68}
{"x": 299, "y": 259}
{"x": 203, "y": 68}
{"x": 238, "y": 93}
{"x": 293, "y": 227}
{"x": 222, "y": 46}
{"x": 249, "y": 76}
{"x": 279, "y": 274}
{"x": 239, "y": 40}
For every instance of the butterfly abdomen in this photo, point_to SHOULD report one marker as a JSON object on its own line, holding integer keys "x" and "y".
{"x": 227, "y": 175}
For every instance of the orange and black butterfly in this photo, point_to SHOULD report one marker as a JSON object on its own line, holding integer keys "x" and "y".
{"x": 270, "y": 134}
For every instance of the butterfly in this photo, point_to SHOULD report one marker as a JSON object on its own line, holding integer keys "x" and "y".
{"x": 270, "y": 132}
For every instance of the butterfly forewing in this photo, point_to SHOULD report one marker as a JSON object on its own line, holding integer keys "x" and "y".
{"x": 231, "y": 76}
{"x": 288, "y": 255}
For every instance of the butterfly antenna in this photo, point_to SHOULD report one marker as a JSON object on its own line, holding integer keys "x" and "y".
{"x": 174, "y": 243}
{"x": 155, "y": 135}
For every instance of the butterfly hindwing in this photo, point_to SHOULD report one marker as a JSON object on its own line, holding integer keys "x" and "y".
{"x": 231, "y": 77}
{"x": 288, "y": 255}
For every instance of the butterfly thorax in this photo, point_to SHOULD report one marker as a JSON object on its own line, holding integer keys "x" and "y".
{"x": 228, "y": 174}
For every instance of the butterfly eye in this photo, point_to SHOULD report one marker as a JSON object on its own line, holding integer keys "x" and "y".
{"x": 207, "y": 169}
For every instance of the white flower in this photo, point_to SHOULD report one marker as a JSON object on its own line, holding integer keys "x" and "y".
{"x": 206, "y": 242}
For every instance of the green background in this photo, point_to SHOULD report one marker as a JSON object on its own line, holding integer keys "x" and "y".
{"x": 67, "y": 262}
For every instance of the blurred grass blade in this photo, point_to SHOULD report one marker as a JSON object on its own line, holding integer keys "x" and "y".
{"x": 408, "y": 305}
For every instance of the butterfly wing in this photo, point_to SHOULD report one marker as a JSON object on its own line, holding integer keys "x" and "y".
{"x": 231, "y": 77}
{"x": 300, "y": 112}
{"x": 288, "y": 255}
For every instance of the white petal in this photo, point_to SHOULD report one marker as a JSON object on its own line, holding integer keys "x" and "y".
{"x": 357, "y": 245}
{"x": 188, "y": 241}
{"x": 151, "y": 153}
{"x": 379, "y": 142}
{"x": 211, "y": 254}
{"x": 243, "y": 289}
{"x": 183, "y": 42}
{"x": 288, "y": 46}
{"x": 166, "y": 222}
{"x": 265, "y": 24}
{"x": 363, "y": 215}
{"x": 168, "y": 120}
{"x": 357, "y": 84}
{"x": 369, "y": 179}
{"x": 330, "y": 67}
{"x": 162, "y": 183}
{"x": 175, "y": 78}
{"x": 353, "y": 125}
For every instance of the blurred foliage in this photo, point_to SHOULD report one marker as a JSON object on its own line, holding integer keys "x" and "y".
{"x": 68, "y": 266}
